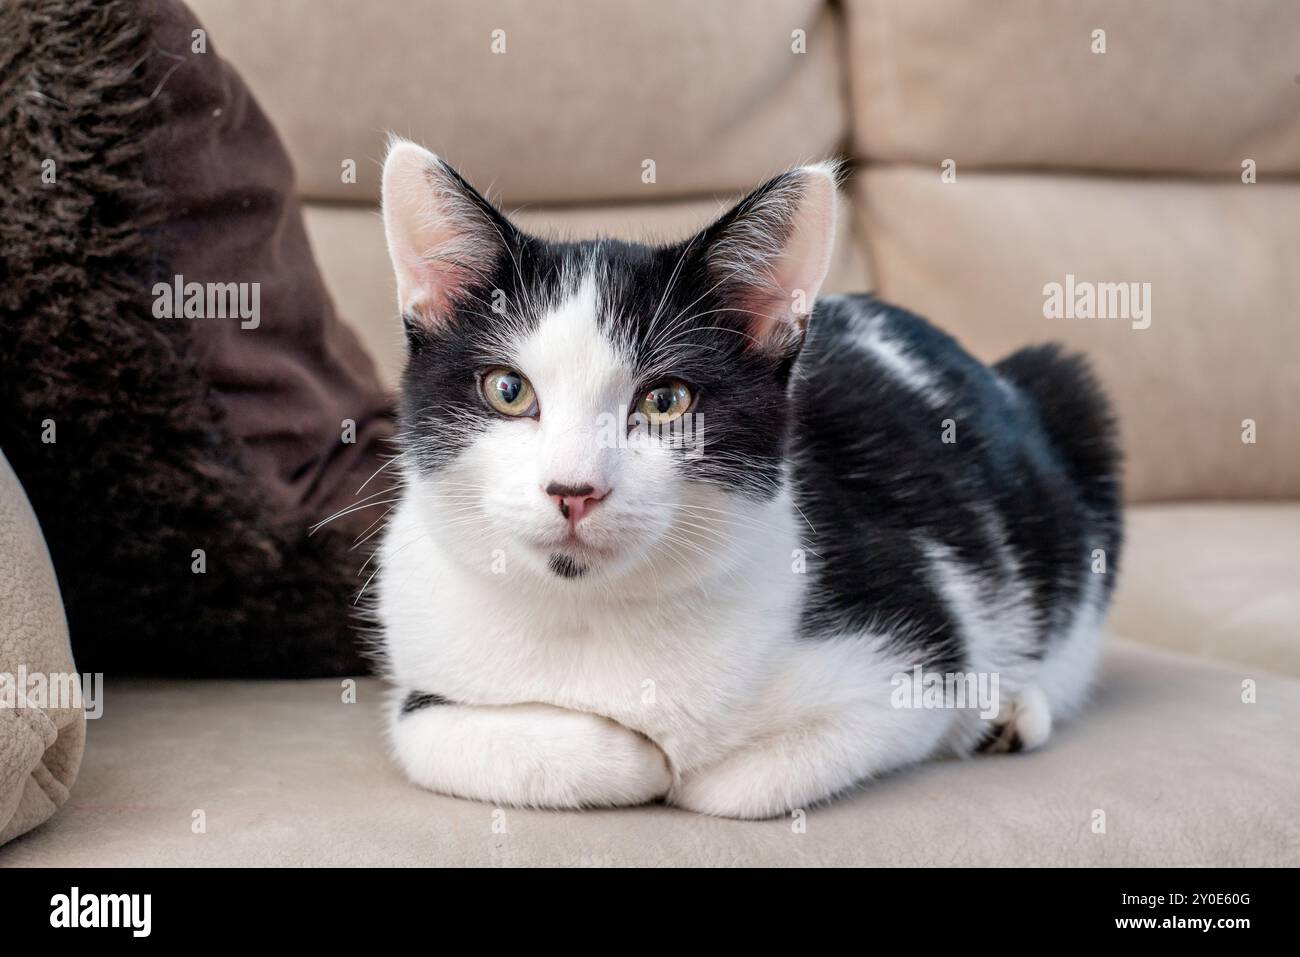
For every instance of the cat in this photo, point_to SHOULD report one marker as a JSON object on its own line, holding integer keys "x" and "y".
{"x": 584, "y": 603}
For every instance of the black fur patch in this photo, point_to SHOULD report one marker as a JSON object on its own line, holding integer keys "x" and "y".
{"x": 566, "y": 567}
{"x": 1000, "y": 739}
{"x": 658, "y": 303}
{"x": 1036, "y": 454}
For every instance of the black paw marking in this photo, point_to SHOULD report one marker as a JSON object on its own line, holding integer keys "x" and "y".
{"x": 1000, "y": 739}
{"x": 419, "y": 700}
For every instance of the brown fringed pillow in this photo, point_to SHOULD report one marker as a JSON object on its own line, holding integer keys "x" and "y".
{"x": 176, "y": 394}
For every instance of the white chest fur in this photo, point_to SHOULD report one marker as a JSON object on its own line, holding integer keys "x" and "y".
{"x": 684, "y": 664}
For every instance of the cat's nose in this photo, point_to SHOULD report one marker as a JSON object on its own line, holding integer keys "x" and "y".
{"x": 575, "y": 501}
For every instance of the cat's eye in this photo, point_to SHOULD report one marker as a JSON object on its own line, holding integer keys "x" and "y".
{"x": 664, "y": 402}
{"x": 509, "y": 392}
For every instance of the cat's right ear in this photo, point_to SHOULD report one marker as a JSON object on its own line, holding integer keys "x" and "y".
{"x": 443, "y": 236}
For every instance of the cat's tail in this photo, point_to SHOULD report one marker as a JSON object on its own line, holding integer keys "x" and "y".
{"x": 1077, "y": 417}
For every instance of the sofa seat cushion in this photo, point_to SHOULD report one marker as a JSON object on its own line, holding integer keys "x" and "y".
{"x": 1214, "y": 579}
{"x": 41, "y": 740}
{"x": 1183, "y": 771}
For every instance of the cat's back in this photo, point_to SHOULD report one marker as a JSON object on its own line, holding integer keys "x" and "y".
{"x": 921, "y": 458}
{"x": 887, "y": 402}
{"x": 889, "y": 405}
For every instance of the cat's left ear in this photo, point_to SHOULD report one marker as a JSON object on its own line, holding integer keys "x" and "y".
{"x": 770, "y": 253}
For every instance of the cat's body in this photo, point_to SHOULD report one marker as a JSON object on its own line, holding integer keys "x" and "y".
{"x": 724, "y": 624}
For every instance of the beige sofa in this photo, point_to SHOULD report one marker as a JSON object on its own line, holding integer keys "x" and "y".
{"x": 994, "y": 150}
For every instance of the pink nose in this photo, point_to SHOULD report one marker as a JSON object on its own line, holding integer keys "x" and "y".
{"x": 575, "y": 501}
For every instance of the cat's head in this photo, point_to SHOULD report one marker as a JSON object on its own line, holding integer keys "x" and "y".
{"x": 575, "y": 413}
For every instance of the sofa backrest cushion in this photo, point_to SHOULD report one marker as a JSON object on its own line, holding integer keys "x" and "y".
{"x": 1007, "y": 156}
{"x": 558, "y": 101}
{"x": 1183, "y": 86}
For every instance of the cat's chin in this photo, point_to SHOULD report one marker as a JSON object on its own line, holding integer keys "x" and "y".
{"x": 571, "y": 559}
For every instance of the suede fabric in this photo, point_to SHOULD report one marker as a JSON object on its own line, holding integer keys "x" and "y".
{"x": 1214, "y": 579}
{"x": 41, "y": 741}
{"x": 564, "y": 102}
{"x": 1169, "y": 761}
{"x": 1182, "y": 87}
{"x": 177, "y": 458}
{"x": 288, "y": 381}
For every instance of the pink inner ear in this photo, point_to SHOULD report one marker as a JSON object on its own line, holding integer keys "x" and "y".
{"x": 770, "y": 319}
{"x": 779, "y": 251}
{"x": 439, "y": 238}
{"x": 432, "y": 288}
{"x": 429, "y": 278}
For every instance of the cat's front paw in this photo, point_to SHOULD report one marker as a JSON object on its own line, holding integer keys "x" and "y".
{"x": 532, "y": 755}
{"x": 625, "y": 768}
{"x": 731, "y": 789}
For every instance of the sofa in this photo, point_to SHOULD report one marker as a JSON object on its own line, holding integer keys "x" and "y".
{"x": 1140, "y": 161}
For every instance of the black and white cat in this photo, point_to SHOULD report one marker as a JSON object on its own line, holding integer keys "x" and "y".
{"x": 582, "y": 603}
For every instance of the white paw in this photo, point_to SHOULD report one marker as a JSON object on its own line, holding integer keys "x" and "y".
{"x": 1029, "y": 726}
{"x": 609, "y": 764}
{"x": 1032, "y": 719}
{"x": 529, "y": 756}
{"x": 733, "y": 788}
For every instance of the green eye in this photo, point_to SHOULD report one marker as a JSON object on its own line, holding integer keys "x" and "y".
{"x": 508, "y": 392}
{"x": 664, "y": 403}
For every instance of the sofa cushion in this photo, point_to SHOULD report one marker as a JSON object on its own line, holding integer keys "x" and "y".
{"x": 1214, "y": 579}
{"x": 41, "y": 735}
{"x": 1192, "y": 86}
{"x": 976, "y": 255}
{"x": 1183, "y": 771}
{"x": 288, "y": 379}
{"x": 176, "y": 445}
{"x": 718, "y": 101}
{"x": 349, "y": 245}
